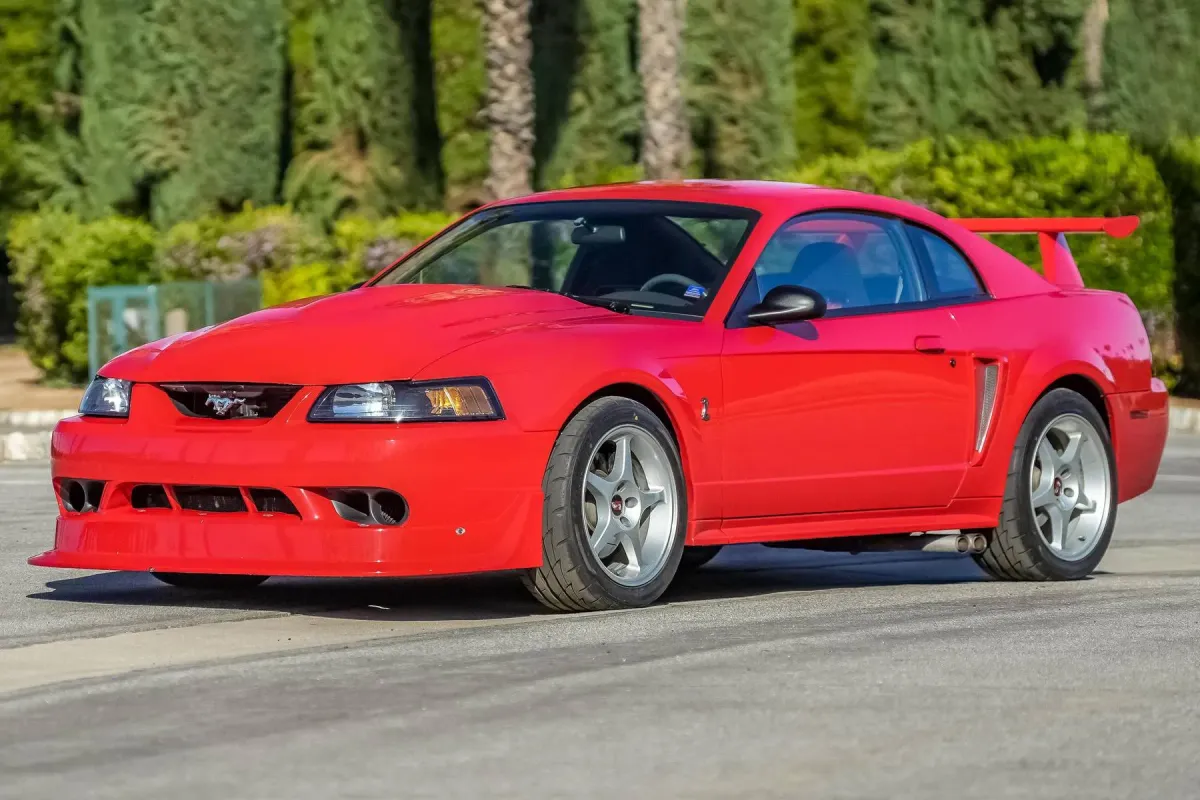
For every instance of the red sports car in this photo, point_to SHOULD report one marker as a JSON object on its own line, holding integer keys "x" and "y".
{"x": 599, "y": 387}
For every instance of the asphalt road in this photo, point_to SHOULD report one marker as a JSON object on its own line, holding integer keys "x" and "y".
{"x": 769, "y": 674}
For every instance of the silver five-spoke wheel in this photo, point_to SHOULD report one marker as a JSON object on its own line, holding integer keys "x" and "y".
{"x": 1069, "y": 487}
{"x": 629, "y": 505}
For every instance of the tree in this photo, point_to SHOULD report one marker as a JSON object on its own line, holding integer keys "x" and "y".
{"x": 741, "y": 86}
{"x": 1094, "y": 26}
{"x": 365, "y": 131}
{"x": 586, "y": 92}
{"x": 509, "y": 110}
{"x": 833, "y": 66}
{"x": 1152, "y": 77}
{"x": 666, "y": 139}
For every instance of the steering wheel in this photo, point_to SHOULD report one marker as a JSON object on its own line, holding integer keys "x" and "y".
{"x": 670, "y": 277}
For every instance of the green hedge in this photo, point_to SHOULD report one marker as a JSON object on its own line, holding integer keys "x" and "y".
{"x": 1035, "y": 177}
{"x": 57, "y": 256}
{"x": 1179, "y": 164}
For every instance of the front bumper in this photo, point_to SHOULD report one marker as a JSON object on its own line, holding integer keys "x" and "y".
{"x": 473, "y": 492}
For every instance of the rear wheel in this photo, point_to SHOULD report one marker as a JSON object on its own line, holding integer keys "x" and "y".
{"x": 210, "y": 582}
{"x": 615, "y": 511}
{"x": 1060, "y": 500}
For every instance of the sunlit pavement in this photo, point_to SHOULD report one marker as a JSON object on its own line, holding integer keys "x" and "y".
{"x": 769, "y": 673}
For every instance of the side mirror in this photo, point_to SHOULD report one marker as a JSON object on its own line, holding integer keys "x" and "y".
{"x": 358, "y": 285}
{"x": 787, "y": 304}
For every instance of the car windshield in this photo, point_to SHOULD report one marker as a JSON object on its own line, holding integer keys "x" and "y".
{"x": 629, "y": 256}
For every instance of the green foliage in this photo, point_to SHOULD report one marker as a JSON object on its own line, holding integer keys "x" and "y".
{"x": 954, "y": 68}
{"x": 1179, "y": 163}
{"x": 1035, "y": 177}
{"x": 834, "y": 65}
{"x": 181, "y": 107}
{"x": 365, "y": 134}
{"x": 56, "y": 256}
{"x": 741, "y": 92}
{"x": 243, "y": 245}
{"x": 459, "y": 79}
{"x": 1152, "y": 75}
{"x": 588, "y": 114}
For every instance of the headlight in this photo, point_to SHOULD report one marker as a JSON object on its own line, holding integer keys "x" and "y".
{"x": 404, "y": 401}
{"x": 106, "y": 397}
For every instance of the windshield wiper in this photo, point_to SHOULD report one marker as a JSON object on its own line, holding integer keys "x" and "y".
{"x": 619, "y": 306}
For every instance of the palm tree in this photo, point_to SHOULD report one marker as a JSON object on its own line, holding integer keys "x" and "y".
{"x": 1094, "y": 25}
{"x": 508, "y": 107}
{"x": 666, "y": 140}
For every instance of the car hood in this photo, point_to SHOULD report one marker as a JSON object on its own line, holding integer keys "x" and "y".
{"x": 377, "y": 333}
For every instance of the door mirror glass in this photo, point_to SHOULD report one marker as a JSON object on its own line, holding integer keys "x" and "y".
{"x": 787, "y": 304}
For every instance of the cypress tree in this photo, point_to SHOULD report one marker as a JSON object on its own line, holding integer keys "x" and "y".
{"x": 741, "y": 86}
{"x": 461, "y": 88}
{"x": 588, "y": 113}
{"x": 181, "y": 105}
{"x": 966, "y": 67}
{"x": 833, "y": 65}
{"x": 365, "y": 135}
{"x": 1151, "y": 75}
{"x": 27, "y": 58}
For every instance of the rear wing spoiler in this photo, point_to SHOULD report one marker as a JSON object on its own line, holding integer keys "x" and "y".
{"x": 1058, "y": 265}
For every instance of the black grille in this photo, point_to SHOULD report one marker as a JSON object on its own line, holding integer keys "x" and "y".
{"x": 272, "y": 501}
{"x": 149, "y": 495}
{"x": 229, "y": 400}
{"x": 215, "y": 499}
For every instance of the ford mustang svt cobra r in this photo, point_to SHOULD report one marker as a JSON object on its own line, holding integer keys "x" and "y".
{"x": 600, "y": 387}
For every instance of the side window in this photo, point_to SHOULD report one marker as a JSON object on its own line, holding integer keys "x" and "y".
{"x": 853, "y": 260}
{"x": 949, "y": 273}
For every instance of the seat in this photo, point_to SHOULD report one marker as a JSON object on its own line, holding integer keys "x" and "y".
{"x": 832, "y": 269}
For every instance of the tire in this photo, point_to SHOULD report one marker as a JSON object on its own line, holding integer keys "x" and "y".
{"x": 209, "y": 582}
{"x": 579, "y": 572}
{"x": 1020, "y": 547}
{"x": 696, "y": 557}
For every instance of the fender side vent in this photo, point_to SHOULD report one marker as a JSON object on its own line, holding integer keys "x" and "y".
{"x": 987, "y": 381}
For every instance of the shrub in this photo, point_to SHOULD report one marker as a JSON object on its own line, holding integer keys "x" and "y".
{"x": 56, "y": 257}
{"x": 1035, "y": 177}
{"x": 1179, "y": 164}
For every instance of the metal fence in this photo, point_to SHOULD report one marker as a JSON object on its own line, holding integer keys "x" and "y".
{"x": 121, "y": 318}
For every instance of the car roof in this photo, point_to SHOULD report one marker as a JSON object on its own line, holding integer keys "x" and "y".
{"x": 757, "y": 195}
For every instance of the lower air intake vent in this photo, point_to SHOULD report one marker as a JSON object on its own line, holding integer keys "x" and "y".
{"x": 273, "y": 501}
{"x": 149, "y": 495}
{"x": 80, "y": 496}
{"x": 368, "y": 506}
{"x": 987, "y": 378}
{"x": 214, "y": 499}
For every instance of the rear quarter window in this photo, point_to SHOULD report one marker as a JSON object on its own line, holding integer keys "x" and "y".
{"x": 949, "y": 274}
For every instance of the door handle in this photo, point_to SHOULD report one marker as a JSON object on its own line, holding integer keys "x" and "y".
{"x": 929, "y": 344}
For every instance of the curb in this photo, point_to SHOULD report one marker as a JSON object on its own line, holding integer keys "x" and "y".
{"x": 33, "y": 442}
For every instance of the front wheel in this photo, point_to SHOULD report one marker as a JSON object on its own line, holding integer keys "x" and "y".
{"x": 615, "y": 511}
{"x": 209, "y": 582}
{"x": 1060, "y": 500}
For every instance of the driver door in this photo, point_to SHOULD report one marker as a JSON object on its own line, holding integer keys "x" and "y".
{"x": 867, "y": 408}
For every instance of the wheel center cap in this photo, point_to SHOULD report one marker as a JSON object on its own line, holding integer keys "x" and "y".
{"x": 1057, "y": 487}
{"x": 618, "y": 506}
